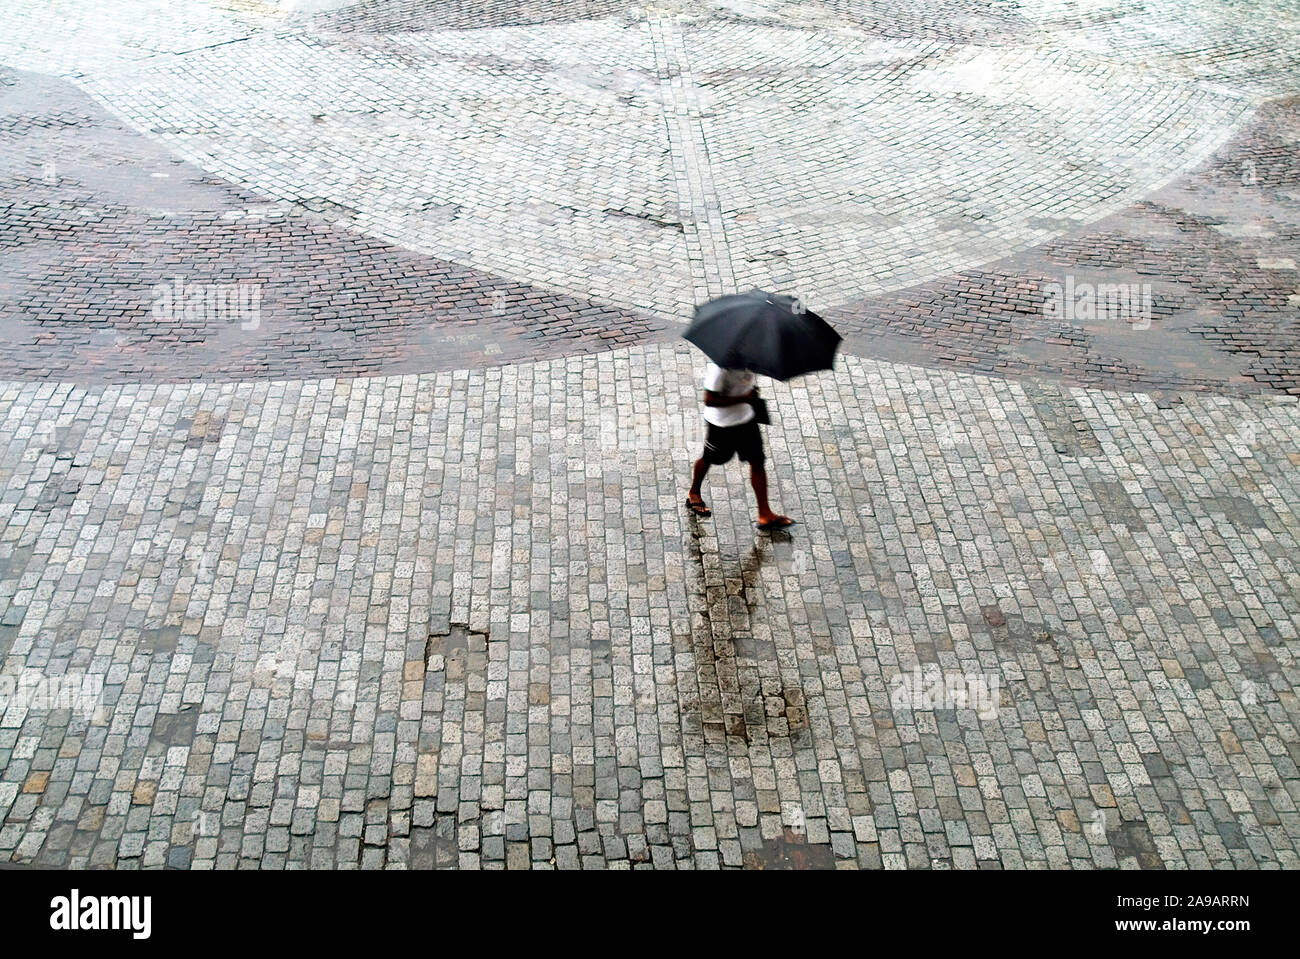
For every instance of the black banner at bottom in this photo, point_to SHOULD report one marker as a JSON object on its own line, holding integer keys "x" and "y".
{"x": 338, "y": 909}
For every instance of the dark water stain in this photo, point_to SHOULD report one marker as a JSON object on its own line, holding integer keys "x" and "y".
{"x": 174, "y": 729}
{"x": 1133, "y": 839}
{"x": 460, "y": 647}
{"x": 790, "y": 851}
{"x": 436, "y": 846}
{"x": 160, "y": 640}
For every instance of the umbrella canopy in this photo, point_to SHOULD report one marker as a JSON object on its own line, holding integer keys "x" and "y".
{"x": 764, "y": 332}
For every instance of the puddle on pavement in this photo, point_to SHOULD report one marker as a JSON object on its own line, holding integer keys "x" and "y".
{"x": 462, "y": 649}
{"x": 790, "y": 851}
{"x": 728, "y": 716}
{"x": 436, "y": 846}
{"x": 173, "y": 729}
{"x": 1134, "y": 839}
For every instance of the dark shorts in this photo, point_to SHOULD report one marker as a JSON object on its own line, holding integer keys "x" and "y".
{"x": 721, "y": 443}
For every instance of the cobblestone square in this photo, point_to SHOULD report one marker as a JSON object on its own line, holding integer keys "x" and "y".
{"x": 347, "y": 425}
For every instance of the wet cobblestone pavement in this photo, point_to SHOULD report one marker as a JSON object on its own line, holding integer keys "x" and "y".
{"x": 392, "y": 570}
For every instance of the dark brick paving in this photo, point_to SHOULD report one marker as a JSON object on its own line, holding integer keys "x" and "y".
{"x": 94, "y": 215}
{"x": 948, "y": 20}
{"x": 389, "y": 16}
{"x": 86, "y": 241}
{"x": 1218, "y": 248}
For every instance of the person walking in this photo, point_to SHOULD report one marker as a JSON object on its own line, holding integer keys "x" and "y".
{"x": 732, "y": 429}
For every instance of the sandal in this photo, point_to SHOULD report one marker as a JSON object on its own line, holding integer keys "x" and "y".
{"x": 780, "y": 522}
{"x": 697, "y": 507}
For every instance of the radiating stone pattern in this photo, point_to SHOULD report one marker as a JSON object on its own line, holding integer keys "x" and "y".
{"x": 646, "y": 155}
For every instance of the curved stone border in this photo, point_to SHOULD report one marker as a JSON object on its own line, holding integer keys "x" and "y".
{"x": 100, "y": 228}
{"x": 98, "y": 220}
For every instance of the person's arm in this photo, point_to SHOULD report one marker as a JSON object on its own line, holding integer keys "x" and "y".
{"x": 714, "y": 399}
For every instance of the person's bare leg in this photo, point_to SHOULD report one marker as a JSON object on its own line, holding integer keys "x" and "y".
{"x": 758, "y": 479}
{"x": 696, "y": 496}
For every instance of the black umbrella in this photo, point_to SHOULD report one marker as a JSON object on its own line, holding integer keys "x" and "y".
{"x": 764, "y": 332}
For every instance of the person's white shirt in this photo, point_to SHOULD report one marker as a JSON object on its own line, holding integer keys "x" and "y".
{"x": 728, "y": 383}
